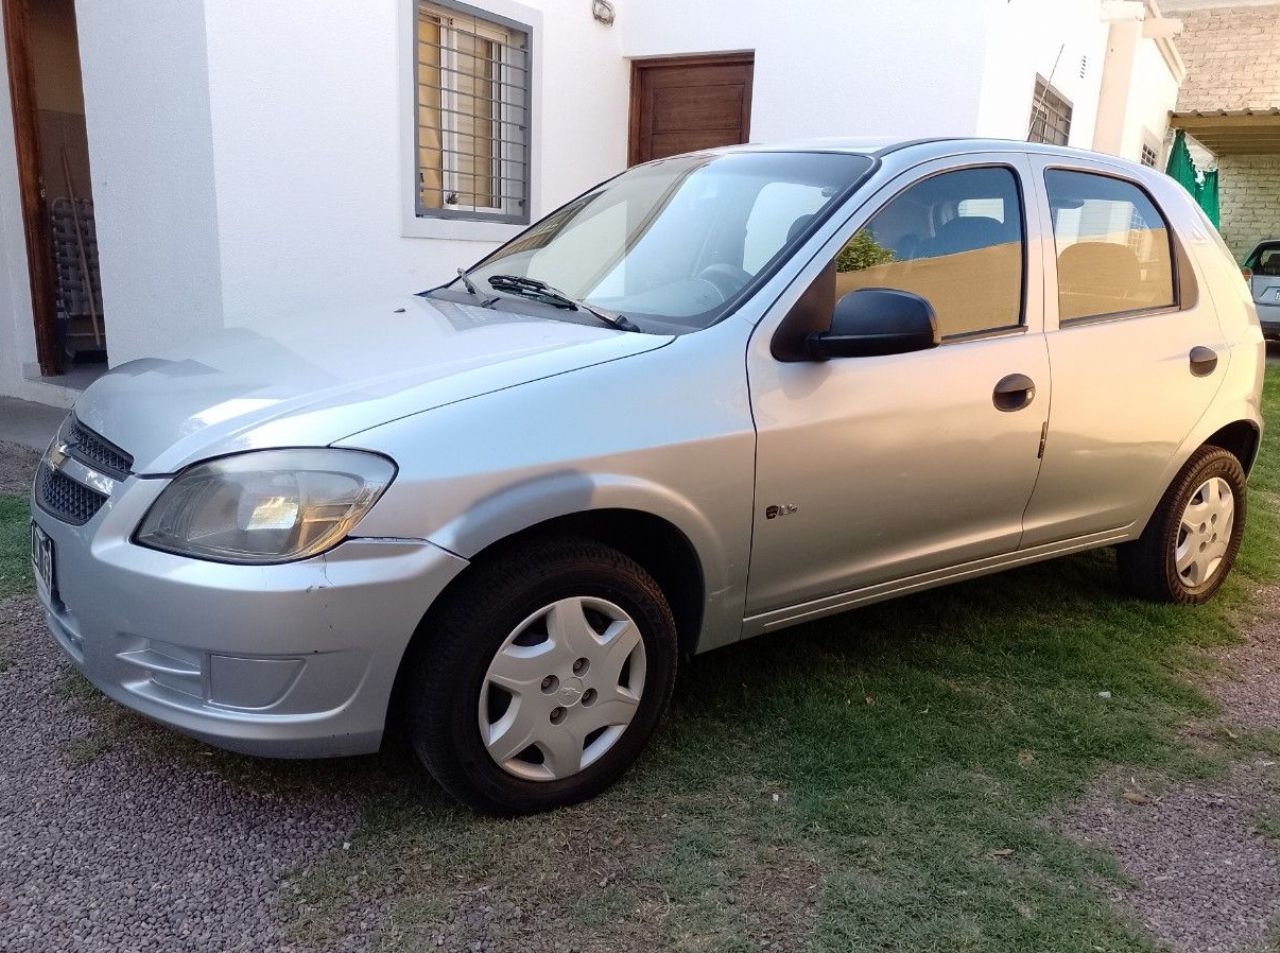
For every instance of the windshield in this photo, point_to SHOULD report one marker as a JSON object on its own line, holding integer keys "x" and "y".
{"x": 678, "y": 241}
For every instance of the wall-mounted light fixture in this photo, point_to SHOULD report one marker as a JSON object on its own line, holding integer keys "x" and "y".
{"x": 603, "y": 11}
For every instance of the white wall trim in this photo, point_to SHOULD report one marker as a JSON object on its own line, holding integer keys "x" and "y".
{"x": 411, "y": 225}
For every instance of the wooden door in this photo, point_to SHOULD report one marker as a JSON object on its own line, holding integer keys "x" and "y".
{"x": 680, "y": 104}
{"x": 17, "y": 34}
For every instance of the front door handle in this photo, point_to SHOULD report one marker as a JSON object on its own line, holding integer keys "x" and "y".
{"x": 1203, "y": 361}
{"x": 1013, "y": 392}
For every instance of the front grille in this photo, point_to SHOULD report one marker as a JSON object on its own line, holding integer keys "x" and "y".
{"x": 65, "y": 499}
{"x": 95, "y": 451}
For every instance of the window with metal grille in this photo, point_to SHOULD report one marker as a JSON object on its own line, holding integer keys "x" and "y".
{"x": 473, "y": 97}
{"x": 1148, "y": 156}
{"x": 1050, "y": 116}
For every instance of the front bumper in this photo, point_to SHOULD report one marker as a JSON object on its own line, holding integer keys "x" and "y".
{"x": 294, "y": 660}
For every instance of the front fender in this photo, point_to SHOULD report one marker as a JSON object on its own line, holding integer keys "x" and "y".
{"x": 480, "y": 471}
{"x": 527, "y": 503}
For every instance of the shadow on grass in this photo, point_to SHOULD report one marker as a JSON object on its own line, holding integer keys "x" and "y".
{"x": 877, "y": 780}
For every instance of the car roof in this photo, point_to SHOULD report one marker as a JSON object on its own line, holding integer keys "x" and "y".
{"x": 939, "y": 147}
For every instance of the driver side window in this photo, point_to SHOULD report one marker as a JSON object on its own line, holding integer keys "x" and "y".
{"x": 956, "y": 239}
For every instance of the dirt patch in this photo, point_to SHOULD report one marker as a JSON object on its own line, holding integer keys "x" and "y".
{"x": 17, "y": 465}
{"x": 1205, "y": 878}
{"x": 1203, "y": 856}
{"x": 1247, "y": 684}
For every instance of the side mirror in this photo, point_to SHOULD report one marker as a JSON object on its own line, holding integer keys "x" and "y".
{"x": 876, "y": 321}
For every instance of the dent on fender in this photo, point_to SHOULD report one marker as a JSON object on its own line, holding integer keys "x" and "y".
{"x": 524, "y": 504}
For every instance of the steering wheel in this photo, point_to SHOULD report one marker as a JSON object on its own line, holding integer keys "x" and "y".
{"x": 727, "y": 279}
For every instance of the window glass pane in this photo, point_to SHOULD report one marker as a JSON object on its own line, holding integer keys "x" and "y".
{"x": 955, "y": 239}
{"x": 679, "y": 240}
{"x": 1265, "y": 260}
{"x": 430, "y": 125}
{"x": 472, "y": 88}
{"x": 1050, "y": 116}
{"x": 1112, "y": 246}
{"x": 781, "y": 210}
{"x": 1269, "y": 263}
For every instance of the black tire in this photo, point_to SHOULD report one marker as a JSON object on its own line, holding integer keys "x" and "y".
{"x": 447, "y": 673}
{"x": 1147, "y": 565}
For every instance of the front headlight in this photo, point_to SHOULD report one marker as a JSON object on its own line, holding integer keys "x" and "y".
{"x": 265, "y": 506}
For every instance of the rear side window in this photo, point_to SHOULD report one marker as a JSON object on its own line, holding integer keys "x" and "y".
{"x": 1113, "y": 246}
{"x": 955, "y": 239}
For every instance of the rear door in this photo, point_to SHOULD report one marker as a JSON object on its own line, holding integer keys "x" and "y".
{"x": 1123, "y": 318}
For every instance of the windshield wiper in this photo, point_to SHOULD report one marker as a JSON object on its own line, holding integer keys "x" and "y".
{"x": 541, "y": 291}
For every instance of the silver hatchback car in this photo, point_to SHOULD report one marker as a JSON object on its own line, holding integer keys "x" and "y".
{"x": 715, "y": 396}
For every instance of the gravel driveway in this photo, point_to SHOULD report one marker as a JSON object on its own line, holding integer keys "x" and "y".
{"x": 121, "y": 836}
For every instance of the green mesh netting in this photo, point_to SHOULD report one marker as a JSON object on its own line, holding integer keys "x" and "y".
{"x": 1203, "y": 187}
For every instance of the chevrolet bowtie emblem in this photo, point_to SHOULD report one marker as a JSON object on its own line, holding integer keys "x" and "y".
{"x": 57, "y": 456}
{"x": 60, "y": 461}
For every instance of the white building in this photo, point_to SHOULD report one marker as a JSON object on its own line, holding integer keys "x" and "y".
{"x": 248, "y": 159}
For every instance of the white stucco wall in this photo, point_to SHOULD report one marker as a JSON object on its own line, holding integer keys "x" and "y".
{"x": 851, "y": 68}
{"x": 1063, "y": 41}
{"x": 1152, "y": 96}
{"x": 311, "y": 187}
{"x": 146, "y": 92}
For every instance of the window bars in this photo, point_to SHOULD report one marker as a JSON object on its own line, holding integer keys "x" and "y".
{"x": 472, "y": 122}
{"x": 1050, "y": 116}
{"x": 1148, "y": 156}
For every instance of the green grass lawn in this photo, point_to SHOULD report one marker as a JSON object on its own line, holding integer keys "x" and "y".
{"x": 15, "y": 547}
{"x": 883, "y": 780}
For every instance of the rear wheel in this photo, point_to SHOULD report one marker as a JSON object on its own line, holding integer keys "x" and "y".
{"x": 544, "y": 677}
{"x": 1190, "y": 545}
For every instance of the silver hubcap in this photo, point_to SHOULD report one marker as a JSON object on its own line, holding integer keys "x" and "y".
{"x": 1205, "y": 532}
{"x": 562, "y": 689}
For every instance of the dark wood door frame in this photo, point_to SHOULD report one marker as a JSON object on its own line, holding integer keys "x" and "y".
{"x": 17, "y": 36}
{"x": 743, "y": 58}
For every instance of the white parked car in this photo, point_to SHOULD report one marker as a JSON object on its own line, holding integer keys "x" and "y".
{"x": 716, "y": 396}
{"x": 1262, "y": 270}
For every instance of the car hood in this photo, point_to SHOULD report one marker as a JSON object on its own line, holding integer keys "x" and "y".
{"x": 331, "y": 375}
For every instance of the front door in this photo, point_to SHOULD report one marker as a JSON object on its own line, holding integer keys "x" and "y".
{"x": 681, "y": 104}
{"x": 875, "y": 469}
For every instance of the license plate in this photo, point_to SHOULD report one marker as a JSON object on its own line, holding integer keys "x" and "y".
{"x": 42, "y": 562}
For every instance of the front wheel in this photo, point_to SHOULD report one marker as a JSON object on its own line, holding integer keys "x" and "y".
{"x": 1191, "y": 542}
{"x": 543, "y": 677}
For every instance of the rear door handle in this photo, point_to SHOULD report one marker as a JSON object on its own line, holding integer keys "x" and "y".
{"x": 1013, "y": 392}
{"x": 1203, "y": 361}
